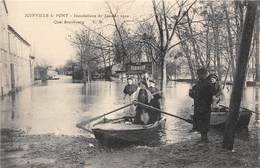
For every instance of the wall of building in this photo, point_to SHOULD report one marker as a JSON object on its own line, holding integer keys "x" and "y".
{"x": 16, "y": 65}
{"x": 5, "y": 80}
{"x": 19, "y": 53}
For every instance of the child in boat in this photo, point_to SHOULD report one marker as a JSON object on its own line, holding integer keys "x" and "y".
{"x": 142, "y": 95}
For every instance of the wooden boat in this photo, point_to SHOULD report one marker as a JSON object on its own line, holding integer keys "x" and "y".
{"x": 124, "y": 130}
{"x": 220, "y": 115}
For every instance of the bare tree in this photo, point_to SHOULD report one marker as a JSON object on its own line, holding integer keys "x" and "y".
{"x": 119, "y": 29}
{"x": 166, "y": 28}
{"x": 237, "y": 92}
{"x": 86, "y": 53}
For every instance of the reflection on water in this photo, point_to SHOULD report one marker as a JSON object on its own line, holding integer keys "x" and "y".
{"x": 57, "y": 106}
{"x": 257, "y": 101}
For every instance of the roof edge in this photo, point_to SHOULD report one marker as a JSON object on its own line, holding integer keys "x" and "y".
{"x": 5, "y": 6}
{"x": 10, "y": 28}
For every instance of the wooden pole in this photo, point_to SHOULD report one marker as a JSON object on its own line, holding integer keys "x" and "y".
{"x": 237, "y": 92}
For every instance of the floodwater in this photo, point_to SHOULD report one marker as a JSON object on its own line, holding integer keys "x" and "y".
{"x": 57, "y": 106}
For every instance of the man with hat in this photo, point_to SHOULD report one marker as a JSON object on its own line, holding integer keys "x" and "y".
{"x": 202, "y": 93}
{"x": 155, "y": 102}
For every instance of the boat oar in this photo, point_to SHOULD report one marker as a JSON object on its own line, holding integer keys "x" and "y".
{"x": 250, "y": 110}
{"x": 242, "y": 108}
{"x": 159, "y": 110}
{"x": 103, "y": 115}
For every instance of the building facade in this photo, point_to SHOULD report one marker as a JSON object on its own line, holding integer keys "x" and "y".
{"x": 16, "y": 63}
{"x": 5, "y": 82}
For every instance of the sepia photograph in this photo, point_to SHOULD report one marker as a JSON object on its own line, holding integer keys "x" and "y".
{"x": 129, "y": 83}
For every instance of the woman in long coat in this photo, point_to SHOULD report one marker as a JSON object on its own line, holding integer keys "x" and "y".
{"x": 142, "y": 95}
{"x": 128, "y": 91}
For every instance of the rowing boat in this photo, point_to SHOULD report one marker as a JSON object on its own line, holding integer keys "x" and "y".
{"x": 123, "y": 129}
{"x": 219, "y": 116}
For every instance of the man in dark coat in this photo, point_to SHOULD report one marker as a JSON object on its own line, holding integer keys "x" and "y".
{"x": 202, "y": 93}
{"x": 155, "y": 102}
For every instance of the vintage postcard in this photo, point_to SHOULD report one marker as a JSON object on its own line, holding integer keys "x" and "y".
{"x": 129, "y": 83}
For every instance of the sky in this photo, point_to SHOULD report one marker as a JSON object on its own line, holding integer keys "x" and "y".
{"x": 49, "y": 35}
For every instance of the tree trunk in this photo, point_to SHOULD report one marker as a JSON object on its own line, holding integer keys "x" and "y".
{"x": 226, "y": 75}
{"x": 215, "y": 28}
{"x": 198, "y": 58}
{"x": 230, "y": 41}
{"x": 239, "y": 22}
{"x": 216, "y": 50}
{"x": 188, "y": 56}
{"x": 84, "y": 69}
{"x": 257, "y": 60}
{"x": 187, "y": 52}
{"x": 105, "y": 66}
{"x": 163, "y": 75}
{"x": 89, "y": 76}
{"x": 257, "y": 90}
{"x": 242, "y": 62}
{"x": 163, "y": 80}
{"x": 207, "y": 48}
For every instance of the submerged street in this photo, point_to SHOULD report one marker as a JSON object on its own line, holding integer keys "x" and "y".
{"x": 136, "y": 84}
{"x": 57, "y": 106}
{"x": 39, "y": 130}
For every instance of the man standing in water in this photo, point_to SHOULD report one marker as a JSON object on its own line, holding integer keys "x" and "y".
{"x": 202, "y": 93}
